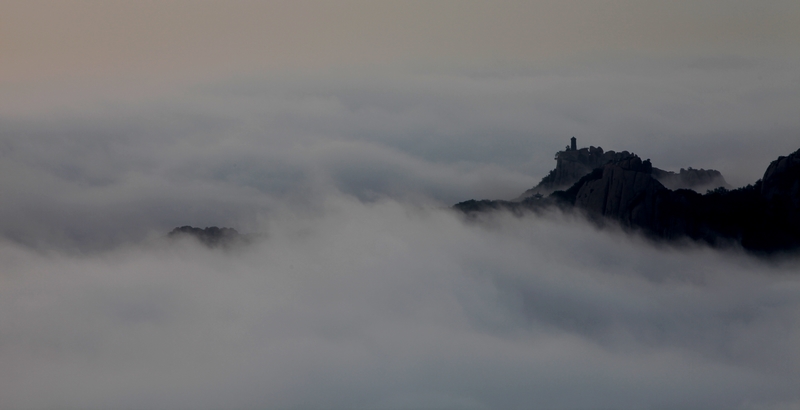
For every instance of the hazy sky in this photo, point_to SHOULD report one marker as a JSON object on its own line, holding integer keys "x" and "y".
{"x": 182, "y": 38}
{"x": 340, "y": 132}
{"x": 669, "y": 80}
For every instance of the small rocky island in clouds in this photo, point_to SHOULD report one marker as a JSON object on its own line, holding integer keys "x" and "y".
{"x": 620, "y": 187}
{"x": 212, "y": 236}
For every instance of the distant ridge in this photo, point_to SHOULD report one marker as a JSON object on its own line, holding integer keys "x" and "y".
{"x": 210, "y": 236}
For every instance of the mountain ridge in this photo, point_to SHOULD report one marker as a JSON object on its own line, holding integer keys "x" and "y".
{"x": 762, "y": 218}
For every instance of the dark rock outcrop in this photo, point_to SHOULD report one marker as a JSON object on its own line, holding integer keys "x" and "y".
{"x": 763, "y": 218}
{"x": 780, "y": 190}
{"x": 781, "y": 186}
{"x": 626, "y": 192}
{"x": 211, "y": 236}
{"x": 571, "y": 165}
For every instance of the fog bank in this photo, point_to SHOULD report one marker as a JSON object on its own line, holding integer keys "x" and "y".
{"x": 393, "y": 306}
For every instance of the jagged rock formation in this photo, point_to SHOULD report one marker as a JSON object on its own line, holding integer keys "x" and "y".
{"x": 699, "y": 180}
{"x": 211, "y": 236}
{"x": 763, "y": 218}
{"x": 572, "y": 164}
{"x": 626, "y": 191}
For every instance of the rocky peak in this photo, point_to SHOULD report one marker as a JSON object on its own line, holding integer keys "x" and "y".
{"x": 633, "y": 163}
{"x": 211, "y": 236}
{"x": 780, "y": 187}
{"x": 782, "y": 178}
{"x": 572, "y": 164}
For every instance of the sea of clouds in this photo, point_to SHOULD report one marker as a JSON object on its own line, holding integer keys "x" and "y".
{"x": 385, "y": 305}
{"x": 362, "y": 289}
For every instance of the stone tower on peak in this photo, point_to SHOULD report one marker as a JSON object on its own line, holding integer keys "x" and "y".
{"x": 573, "y": 144}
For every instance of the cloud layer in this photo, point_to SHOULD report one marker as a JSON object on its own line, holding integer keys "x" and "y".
{"x": 391, "y": 306}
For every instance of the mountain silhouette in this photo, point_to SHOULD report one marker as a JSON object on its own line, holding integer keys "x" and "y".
{"x": 762, "y": 218}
